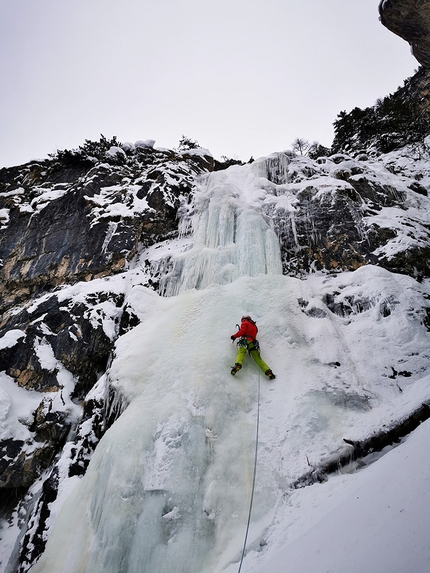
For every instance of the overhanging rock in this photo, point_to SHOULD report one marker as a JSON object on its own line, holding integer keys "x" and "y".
{"x": 409, "y": 19}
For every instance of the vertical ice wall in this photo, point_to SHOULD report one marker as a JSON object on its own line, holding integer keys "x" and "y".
{"x": 231, "y": 237}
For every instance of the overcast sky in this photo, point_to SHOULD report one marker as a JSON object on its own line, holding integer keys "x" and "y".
{"x": 242, "y": 77}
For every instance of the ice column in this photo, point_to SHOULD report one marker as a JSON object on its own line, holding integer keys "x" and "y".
{"x": 274, "y": 167}
{"x": 231, "y": 236}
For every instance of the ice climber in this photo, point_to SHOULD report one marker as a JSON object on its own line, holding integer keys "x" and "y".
{"x": 247, "y": 335}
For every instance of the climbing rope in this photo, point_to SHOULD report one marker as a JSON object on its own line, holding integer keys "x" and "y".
{"x": 253, "y": 478}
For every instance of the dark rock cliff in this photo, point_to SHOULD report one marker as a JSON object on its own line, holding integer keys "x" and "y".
{"x": 403, "y": 117}
{"x": 65, "y": 223}
{"x": 339, "y": 218}
{"x": 399, "y": 119}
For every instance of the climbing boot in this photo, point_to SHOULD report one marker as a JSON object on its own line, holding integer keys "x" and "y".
{"x": 236, "y": 368}
{"x": 269, "y": 374}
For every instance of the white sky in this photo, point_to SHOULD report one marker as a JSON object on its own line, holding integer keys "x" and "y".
{"x": 243, "y": 77}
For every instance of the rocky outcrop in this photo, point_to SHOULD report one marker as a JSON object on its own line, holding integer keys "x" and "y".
{"x": 399, "y": 119}
{"x": 409, "y": 19}
{"x": 337, "y": 215}
{"x": 63, "y": 223}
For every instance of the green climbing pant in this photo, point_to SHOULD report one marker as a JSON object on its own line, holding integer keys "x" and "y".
{"x": 252, "y": 348}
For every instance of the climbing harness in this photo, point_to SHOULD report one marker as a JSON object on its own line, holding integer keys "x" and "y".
{"x": 254, "y": 345}
{"x": 250, "y": 346}
{"x": 253, "y": 478}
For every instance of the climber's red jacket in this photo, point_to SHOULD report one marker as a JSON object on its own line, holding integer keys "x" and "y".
{"x": 248, "y": 329}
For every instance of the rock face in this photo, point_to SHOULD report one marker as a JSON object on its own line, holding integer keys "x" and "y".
{"x": 397, "y": 120}
{"x": 336, "y": 216}
{"x": 63, "y": 223}
{"x": 409, "y": 19}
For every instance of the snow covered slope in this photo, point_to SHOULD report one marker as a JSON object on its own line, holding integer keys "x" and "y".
{"x": 169, "y": 485}
{"x": 374, "y": 520}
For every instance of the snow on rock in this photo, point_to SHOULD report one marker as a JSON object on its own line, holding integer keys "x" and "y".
{"x": 147, "y": 143}
{"x": 11, "y": 338}
{"x": 4, "y": 218}
{"x": 16, "y": 406}
{"x": 198, "y": 151}
{"x": 117, "y": 153}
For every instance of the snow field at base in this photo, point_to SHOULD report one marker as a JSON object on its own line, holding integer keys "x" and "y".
{"x": 169, "y": 485}
{"x": 375, "y": 520}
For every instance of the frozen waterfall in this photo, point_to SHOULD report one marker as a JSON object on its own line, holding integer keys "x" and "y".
{"x": 230, "y": 235}
{"x": 168, "y": 488}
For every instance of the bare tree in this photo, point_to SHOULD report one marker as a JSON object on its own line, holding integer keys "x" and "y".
{"x": 300, "y": 145}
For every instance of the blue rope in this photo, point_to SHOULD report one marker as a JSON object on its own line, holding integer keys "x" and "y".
{"x": 253, "y": 479}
